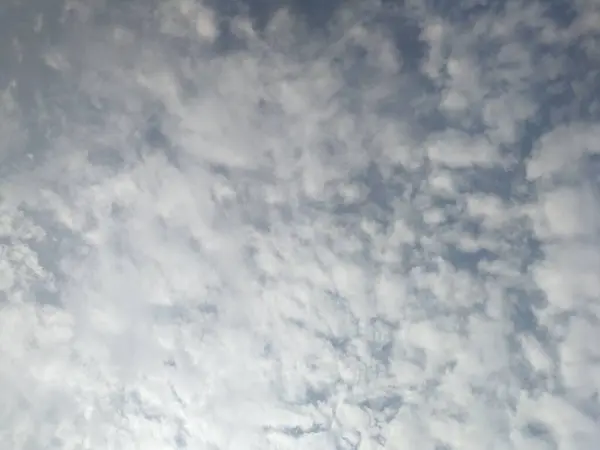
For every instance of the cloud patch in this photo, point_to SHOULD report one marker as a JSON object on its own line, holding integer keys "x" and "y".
{"x": 302, "y": 235}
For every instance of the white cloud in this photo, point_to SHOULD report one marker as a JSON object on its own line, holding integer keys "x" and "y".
{"x": 561, "y": 148}
{"x": 479, "y": 152}
{"x": 252, "y": 249}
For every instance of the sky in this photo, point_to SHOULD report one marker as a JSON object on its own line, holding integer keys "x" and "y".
{"x": 320, "y": 225}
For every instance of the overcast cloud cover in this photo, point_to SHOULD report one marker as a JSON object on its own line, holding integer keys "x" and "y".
{"x": 300, "y": 224}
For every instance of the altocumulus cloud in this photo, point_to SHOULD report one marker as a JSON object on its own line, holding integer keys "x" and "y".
{"x": 244, "y": 225}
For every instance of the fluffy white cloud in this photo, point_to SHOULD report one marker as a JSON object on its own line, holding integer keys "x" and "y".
{"x": 244, "y": 237}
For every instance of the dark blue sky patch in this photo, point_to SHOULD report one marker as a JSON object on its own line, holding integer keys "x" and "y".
{"x": 560, "y": 12}
{"x": 316, "y": 14}
{"x": 405, "y": 33}
{"x": 523, "y": 315}
{"x": 465, "y": 12}
{"x": 380, "y": 193}
{"x": 469, "y": 261}
{"x": 261, "y": 11}
{"x": 494, "y": 180}
{"x": 591, "y": 170}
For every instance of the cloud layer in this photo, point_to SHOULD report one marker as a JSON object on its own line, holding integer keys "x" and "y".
{"x": 233, "y": 226}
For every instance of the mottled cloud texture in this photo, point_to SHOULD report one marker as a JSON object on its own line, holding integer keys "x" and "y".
{"x": 300, "y": 225}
